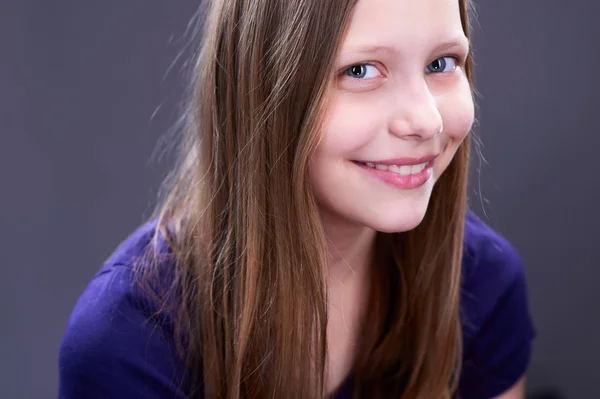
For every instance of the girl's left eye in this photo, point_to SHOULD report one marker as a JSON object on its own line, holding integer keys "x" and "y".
{"x": 362, "y": 71}
{"x": 443, "y": 64}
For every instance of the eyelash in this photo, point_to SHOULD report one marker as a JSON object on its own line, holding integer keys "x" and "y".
{"x": 343, "y": 71}
{"x": 459, "y": 60}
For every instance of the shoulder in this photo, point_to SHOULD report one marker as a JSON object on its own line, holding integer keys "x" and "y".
{"x": 491, "y": 268}
{"x": 116, "y": 343}
{"x": 497, "y": 327}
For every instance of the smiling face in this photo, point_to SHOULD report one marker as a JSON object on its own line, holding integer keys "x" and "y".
{"x": 398, "y": 108}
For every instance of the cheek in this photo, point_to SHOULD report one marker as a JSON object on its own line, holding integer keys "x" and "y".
{"x": 350, "y": 123}
{"x": 458, "y": 113}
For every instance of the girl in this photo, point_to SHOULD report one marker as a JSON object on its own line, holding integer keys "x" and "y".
{"x": 314, "y": 240}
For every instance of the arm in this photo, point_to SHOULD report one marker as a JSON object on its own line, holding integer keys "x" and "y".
{"x": 497, "y": 327}
{"x": 517, "y": 391}
{"x": 111, "y": 347}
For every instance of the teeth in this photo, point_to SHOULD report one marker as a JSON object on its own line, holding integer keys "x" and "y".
{"x": 417, "y": 168}
{"x": 403, "y": 170}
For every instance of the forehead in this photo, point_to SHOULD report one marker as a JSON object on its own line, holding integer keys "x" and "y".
{"x": 394, "y": 22}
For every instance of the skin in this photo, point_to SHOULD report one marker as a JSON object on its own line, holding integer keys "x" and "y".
{"x": 391, "y": 97}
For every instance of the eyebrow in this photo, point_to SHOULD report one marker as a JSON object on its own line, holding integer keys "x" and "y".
{"x": 459, "y": 42}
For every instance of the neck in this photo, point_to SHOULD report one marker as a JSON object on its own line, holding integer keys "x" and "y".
{"x": 350, "y": 251}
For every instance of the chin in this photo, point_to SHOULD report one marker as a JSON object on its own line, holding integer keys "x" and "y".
{"x": 397, "y": 222}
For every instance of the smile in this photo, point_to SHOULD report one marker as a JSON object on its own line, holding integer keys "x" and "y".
{"x": 401, "y": 173}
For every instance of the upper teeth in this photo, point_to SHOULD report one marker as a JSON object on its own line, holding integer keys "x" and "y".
{"x": 403, "y": 170}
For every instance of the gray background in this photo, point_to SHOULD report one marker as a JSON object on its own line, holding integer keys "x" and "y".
{"x": 80, "y": 82}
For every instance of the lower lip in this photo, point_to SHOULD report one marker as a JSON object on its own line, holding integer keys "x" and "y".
{"x": 405, "y": 182}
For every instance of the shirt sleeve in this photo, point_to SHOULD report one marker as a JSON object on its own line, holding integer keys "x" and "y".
{"x": 498, "y": 330}
{"x": 113, "y": 349}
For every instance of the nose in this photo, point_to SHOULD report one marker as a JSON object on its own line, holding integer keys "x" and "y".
{"x": 415, "y": 115}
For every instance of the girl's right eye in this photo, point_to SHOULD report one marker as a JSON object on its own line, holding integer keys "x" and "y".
{"x": 362, "y": 71}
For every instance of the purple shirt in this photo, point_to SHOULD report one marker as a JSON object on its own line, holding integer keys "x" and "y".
{"x": 113, "y": 348}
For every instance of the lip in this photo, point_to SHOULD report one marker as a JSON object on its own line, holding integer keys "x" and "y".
{"x": 406, "y": 182}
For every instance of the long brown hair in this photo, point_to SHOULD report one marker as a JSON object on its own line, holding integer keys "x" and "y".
{"x": 242, "y": 224}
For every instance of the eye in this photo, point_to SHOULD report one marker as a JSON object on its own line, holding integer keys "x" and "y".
{"x": 362, "y": 71}
{"x": 442, "y": 64}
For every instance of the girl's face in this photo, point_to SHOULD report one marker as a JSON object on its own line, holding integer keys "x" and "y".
{"x": 399, "y": 106}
